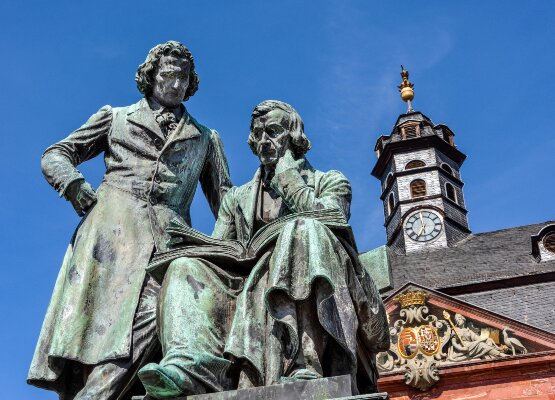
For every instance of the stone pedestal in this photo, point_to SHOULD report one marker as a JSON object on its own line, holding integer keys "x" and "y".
{"x": 336, "y": 388}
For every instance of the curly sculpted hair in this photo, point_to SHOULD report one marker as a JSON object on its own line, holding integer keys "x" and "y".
{"x": 295, "y": 127}
{"x": 145, "y": 73}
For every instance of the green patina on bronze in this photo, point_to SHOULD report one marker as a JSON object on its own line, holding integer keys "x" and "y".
{"x": 102, "y": 308}
{"x": 306, "y": 307}
{"x": 376, "y": 263}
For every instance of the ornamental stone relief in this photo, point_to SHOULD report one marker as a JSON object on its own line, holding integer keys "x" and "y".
{"x": 422, "y": 341}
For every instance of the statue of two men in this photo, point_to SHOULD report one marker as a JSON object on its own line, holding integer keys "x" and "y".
{"x": 306, "y": 309}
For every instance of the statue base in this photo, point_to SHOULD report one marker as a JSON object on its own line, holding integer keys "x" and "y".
{"x": 336, "y": 388}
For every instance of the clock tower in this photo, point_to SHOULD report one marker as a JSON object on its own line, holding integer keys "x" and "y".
{"x": 421, "y": 186}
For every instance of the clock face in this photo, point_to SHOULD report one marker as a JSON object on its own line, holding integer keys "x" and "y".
{"x": 423, "y": 226}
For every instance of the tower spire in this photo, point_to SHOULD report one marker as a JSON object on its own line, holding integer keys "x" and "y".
{"x": 406, "y": 89}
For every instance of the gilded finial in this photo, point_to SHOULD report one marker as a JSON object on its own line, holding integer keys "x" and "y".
{"x": 406, "y": 89}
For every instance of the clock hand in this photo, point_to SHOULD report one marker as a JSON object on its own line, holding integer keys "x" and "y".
{"x": 421, "y": 229}
{"x": 422, "y": 224}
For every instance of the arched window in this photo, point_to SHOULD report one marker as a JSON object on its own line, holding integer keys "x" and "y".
{"x": 415, "y": 164}
{"x": 549, "y": 242}
{"x": 390, "y": 203}
{"x": 389, "y": 180}
{"x": 450, "y": 190}
{"x": 418, "y": 188}
{"x": 447, "y": 168}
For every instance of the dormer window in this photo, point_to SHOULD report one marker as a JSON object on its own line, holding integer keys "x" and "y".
{"x": 418, "y": 188}
{"x": 410, "y": 130}
{"x": 415, "y": 164}
{"x": 543, "y": 244}
{"x": 450, "y": 191}
{"x": 549, "y": 242}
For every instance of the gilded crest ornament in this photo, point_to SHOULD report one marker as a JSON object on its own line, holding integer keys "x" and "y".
{"x": 424, "y": 341}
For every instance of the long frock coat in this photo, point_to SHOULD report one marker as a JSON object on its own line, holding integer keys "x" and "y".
{"x": 307, "y": 259}
{"x": 149, "y": 180}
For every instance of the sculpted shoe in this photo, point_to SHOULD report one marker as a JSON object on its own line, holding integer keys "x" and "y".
{"x": 300, "y": 374}
{"x": 166, "y": 382}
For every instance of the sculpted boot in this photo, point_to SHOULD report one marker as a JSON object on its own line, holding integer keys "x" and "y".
{"x": 168, "y": 381}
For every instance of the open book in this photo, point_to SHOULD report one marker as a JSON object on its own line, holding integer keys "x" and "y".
{"x": 188, "y": 242}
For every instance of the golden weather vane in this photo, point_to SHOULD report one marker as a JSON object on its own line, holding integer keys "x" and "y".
{"x": 406, "y": 89}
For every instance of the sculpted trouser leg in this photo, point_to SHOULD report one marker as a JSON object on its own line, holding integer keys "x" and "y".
{"x": 312, "y": 339}
{"x": 195, "y": 308}
{"x": 108, "y": 381}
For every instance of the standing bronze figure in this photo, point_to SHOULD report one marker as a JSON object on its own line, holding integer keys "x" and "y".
{"x": 100, "y": 324}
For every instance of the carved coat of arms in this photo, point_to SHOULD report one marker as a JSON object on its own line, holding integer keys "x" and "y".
{"x": 422, "y": 342}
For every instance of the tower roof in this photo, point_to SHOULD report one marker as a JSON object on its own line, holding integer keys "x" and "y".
{"x": 414, "y": 131}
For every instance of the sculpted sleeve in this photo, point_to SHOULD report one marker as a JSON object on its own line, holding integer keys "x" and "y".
{"x": 335, "y": 190}
{"x": 225, "y": 225}
{"x": 214, "y": 179}
{"x": 59, "y": 161}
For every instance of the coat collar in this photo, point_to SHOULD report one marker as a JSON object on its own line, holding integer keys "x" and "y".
{"x": 141, "y": 114}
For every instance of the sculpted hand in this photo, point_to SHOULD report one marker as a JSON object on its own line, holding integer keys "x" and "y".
{"x": 81, "y": 195}
{"x": 287, "y": 161}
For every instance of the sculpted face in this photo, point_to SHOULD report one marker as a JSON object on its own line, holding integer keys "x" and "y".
{"x": 271, "y": 135}
{"x": 459, "y": 320}
{"x": 171, "y": 81}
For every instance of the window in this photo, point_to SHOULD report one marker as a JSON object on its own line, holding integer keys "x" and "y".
{"x": 389, "y": 180}
{"x": 415, "y": 164}
{"x": 450, "y": 190}
{"x": 390, "y": 203}
{"x": 410, "y": 131}
{"x": 447, "y": 168}
{"x": 418, "y": 188}
{"x": 549, "y": 242}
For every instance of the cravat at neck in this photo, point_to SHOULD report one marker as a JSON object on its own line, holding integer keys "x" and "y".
{"x": 167, "y": 121}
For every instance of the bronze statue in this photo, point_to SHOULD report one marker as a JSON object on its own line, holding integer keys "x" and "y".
{"x": 100, "y": 324}
{"x": 259, "y": 309}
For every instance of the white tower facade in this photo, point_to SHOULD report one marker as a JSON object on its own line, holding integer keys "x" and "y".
{"x": 422, "y": 190}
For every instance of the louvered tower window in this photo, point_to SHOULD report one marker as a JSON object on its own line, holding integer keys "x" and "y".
{"x": 450, "y": 190}
{"x": 410, "y": 131}
{"x": 415, "y": 164}
{"x": 549, "y": 242}
{"x": 418, "y": 188}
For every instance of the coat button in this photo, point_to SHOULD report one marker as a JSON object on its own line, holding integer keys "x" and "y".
{"x": 156, "y": 179}
{"x": 158, "y": 142}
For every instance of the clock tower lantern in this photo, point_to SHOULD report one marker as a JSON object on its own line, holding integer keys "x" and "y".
{"x": 421, "y": 186}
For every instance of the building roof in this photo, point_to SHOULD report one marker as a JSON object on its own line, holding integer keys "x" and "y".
{"x": 494, "y": 270}
{"x": 478, "y": 258}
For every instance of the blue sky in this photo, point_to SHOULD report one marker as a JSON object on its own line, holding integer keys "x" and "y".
{"x": 483, "y": 68}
